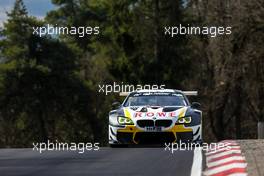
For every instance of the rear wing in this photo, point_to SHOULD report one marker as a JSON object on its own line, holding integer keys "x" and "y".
{"x": 190, "y": 93}
{"x": 187, "y": 93}
{"x": 124, "y": 94}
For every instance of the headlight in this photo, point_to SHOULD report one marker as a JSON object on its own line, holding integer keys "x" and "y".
{"x": 184, "y": 120}
{"x": 125, "y": 121}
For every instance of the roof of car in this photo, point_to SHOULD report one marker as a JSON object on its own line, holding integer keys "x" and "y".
{"x": 158, "y": 90}
{"x": 188, "y": 93}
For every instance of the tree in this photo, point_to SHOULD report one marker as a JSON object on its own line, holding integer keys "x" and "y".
{"x": 232, "y": 65}
{"x": 42, "y": 97}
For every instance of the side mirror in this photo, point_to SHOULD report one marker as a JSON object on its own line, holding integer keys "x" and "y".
{"x": 115, "y": 105}
{"x": 196, "y": 105}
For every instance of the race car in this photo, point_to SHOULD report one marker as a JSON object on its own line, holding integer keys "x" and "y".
{"x": 155, "y": 117}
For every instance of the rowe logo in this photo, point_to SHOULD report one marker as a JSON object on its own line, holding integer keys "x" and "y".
{"x": 152, "y": 114}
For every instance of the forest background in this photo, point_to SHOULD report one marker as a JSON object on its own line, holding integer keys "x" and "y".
{"x": 49, "y": 84}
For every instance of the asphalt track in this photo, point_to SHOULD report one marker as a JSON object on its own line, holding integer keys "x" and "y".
{"x": 105, "y": 162}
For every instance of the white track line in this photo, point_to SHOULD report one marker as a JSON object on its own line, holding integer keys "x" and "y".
{"x": 197, "y": 162}
{"x": 225, "y": 168}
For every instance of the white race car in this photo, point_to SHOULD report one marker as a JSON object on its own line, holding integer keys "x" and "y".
{"x": 155, "y": 116}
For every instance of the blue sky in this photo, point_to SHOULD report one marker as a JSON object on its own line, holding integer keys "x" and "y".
{"x": 36, "y": 8}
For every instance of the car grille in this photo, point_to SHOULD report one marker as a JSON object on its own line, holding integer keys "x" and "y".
{"x": 145, "y": 123}
{"x": 163, "y": 123}
{"x": 157, "y": 123}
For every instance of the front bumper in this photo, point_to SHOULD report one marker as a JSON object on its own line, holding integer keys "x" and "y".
{"x": 130, "y": 134}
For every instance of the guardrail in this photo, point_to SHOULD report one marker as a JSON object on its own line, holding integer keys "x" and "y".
{"x": 260, "y": 130}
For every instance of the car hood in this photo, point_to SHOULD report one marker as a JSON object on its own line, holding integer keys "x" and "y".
{"x": 150, "y": 112}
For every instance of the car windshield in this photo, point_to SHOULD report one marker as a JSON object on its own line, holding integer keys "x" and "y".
{"x": 156, "y": 100}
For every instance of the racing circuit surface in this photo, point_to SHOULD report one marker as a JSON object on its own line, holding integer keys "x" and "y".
{"x": 106, "y": 161}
